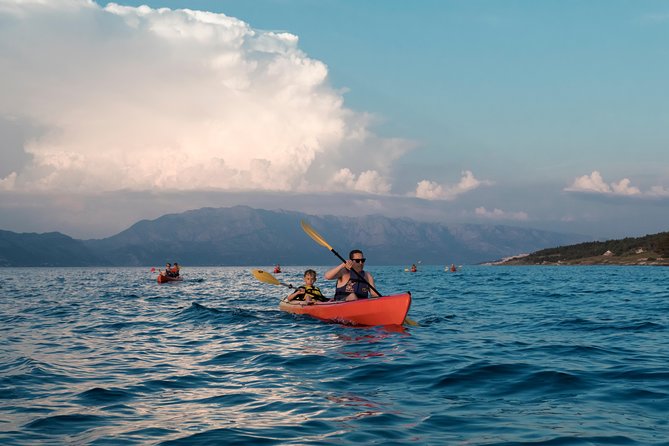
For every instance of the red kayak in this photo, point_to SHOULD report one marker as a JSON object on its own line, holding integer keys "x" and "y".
{"x": 385, "y": 310}
{"x": 164, "y": 279}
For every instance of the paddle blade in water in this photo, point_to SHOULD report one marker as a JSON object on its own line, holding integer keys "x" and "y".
{"x": 314, "y": 235}
{"x": 266, "y": 277}
{"x": 410, "y": 322}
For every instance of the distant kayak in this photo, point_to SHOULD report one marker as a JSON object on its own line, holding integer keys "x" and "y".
{"x": 164, "y": 279}
{"x": 385, "y": 310}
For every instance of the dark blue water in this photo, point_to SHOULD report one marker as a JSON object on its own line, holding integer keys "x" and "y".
{"x": 503, "y": 355}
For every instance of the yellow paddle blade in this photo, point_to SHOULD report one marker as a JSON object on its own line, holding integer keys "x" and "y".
{"x": 410, "y": 322}
{"x": 314, "y": 235}
{"x": 266, "y": 277}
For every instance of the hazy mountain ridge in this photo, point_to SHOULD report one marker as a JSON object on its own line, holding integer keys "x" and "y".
{"x": 241, "y": 235}
{"x": 48, "y": 249}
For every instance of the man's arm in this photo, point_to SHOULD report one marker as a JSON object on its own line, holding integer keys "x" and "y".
{"x": 336, "y": 272}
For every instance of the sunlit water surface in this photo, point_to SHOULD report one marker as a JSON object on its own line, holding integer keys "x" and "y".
{"x": 503, "y": 355}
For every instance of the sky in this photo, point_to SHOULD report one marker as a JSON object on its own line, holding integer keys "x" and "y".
{"x": 551, "y": 115}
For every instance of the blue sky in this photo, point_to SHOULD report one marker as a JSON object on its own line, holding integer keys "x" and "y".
{"x": 551, "y": 115}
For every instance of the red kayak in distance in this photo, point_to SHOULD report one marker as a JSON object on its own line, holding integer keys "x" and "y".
{"x": 164, "y": 279}
{"x": 384, "y": 310}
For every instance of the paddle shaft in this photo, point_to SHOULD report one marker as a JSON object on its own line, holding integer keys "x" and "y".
{"x": 360, "y": 276}
{"x": 287, "y": 285}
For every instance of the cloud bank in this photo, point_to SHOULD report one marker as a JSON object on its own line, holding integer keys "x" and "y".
{"x": 498, "y": 214}
{"x": 595, "y": 184}
{"x": 157, "y": 99}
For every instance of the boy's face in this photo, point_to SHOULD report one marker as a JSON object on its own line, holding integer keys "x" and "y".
{"x": 309, "y": 279}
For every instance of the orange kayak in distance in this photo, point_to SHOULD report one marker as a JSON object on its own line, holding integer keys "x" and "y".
{"x": 384, "y": 310}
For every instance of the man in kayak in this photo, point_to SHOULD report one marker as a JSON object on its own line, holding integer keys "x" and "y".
{"x": 308, "y": 292}
{"x": 175, "y": 270}
{"x": 352, "y": 282}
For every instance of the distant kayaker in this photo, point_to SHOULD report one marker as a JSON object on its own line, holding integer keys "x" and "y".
{"x": 168, "y": 270}
{"x": 175, "y": 270}
{"x": 352, "y": 282}
{"x": 277, "y": 268}
{"x": 308, "y": 292}
{"x": 413, "y": 268}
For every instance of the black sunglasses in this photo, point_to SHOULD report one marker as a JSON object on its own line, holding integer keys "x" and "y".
{"x": 359, "y": 260}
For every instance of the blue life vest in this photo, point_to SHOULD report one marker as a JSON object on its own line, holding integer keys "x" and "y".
{"x": 354, "y": 285}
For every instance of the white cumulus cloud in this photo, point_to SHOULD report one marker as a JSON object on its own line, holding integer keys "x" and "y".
{"x": 594, "y": 183}
{"x": 368, "y": 181}
{"x": 7, "y": 183}
{"x": 623, "y": 187}
{"x": 142, "y": 98}
{"x": 589, "y": 183}
{"x": 431, "y": 190}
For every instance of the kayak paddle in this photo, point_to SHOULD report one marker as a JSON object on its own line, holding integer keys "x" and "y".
{"x": 311, "y": 232}
{"x": 266, "y": 277}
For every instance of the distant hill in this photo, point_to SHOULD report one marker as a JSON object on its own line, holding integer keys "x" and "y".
{"x": 50, "y": 249}
{"x": 648, "y": 250}
{"x": 242, "y": 236}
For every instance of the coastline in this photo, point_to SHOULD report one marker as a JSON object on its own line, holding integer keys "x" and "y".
{"x": 641, "y": 259}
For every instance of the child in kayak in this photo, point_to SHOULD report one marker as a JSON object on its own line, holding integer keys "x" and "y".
{"x": 308, "y": 292}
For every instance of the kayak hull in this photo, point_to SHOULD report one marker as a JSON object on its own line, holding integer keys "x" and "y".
{"x": 385, "y": 310}
{"x": 165, "y": 279}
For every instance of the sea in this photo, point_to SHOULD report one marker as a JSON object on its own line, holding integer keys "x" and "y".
{"x": 501, "y": 355}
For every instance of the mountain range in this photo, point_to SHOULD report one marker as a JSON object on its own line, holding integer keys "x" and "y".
{"x": 243, "y": 236}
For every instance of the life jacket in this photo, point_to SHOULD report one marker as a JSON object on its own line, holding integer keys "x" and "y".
{"x": 314, "y": 292}
{"x": 354, "y": 285}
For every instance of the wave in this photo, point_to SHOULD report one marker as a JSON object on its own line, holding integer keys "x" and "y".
{"x": 99, "y": 395}
{"x": 67, "y": 424}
